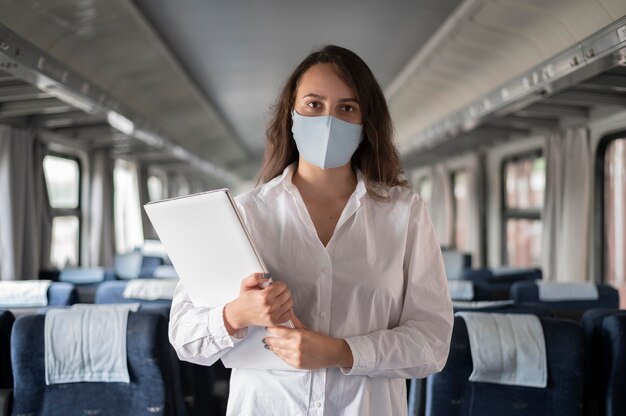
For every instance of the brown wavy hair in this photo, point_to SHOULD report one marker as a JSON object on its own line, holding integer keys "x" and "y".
{"x": 376, "y": 157}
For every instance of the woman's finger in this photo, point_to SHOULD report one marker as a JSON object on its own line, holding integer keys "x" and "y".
{"x": 279, "y": 331}
{"x": 285, "y": 316}
{"x": 296, "y": 322}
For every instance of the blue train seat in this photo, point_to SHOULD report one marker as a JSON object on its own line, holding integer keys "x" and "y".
{"x": 456, "y": 262}
{"x": 600, "y": 359}
{"x": 528, "y": 292}
{"x": 62, "y": 294}
{"x": 113, "y": 292}
{"x": 86, "y": 280}
{"x": 128, "y": 265}
{"x": 151, "y": 374}
{"x": 417, "y": 387}
{"x": 495, "y": 283}
{"x": 149, "y": 264}
{"x": 450, "y": 393}
{"x": 196, "y": 381}
{"x": 58, "y": 294}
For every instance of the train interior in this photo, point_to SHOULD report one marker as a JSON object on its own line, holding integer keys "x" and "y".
{"x": 510, "y": 118}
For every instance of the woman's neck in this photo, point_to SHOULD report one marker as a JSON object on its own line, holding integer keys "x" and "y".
{"x": 324, "y": 185}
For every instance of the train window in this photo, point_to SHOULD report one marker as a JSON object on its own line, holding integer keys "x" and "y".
{"x": 127, "y": 214}
{"x": 155, "y": 188}
{"x": 459, "y": 187}
{"x": 615, "y": 212}
{"x": 62, "y": 181}
{"x": 424, "y": 188}
{"x": 525, "y": 183}
{"x": 65, "y": 241}
{"x": 524, "y": 186}
{"x": 62, "y": 175}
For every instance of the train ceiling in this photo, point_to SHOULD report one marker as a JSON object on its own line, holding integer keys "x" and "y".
{"x": 188, "y": 83}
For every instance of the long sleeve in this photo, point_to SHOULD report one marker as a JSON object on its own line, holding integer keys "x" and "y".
{"x": 419, "y": 346}
{"x": 198, "y": 334}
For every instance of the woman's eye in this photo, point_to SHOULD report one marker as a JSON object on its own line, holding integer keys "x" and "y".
{"x": 348, "y": 108}
{"x": 314, "y": 104}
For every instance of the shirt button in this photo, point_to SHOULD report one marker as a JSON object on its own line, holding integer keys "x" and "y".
{"x": 318, "y": 404}
{"x": 323, "y": 314}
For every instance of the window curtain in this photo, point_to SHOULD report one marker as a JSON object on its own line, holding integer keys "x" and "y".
{"x": 25, "y": 213}
{"x": 128, "y": 222}
{"x": 475, "y": 216}
{"x": 566, "y": 211}
{"x": 441, "y": 205}
{"x": 102, "y": 231}
{"x": 144, "y": 198}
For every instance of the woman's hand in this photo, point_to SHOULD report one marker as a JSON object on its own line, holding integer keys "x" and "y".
{"x": 258, "y": 306}
{"x": 306, "y": 349}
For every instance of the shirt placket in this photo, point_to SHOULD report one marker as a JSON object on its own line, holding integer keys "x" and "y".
{"x": 325, "y": 273}
{"x": 318, "y": 379}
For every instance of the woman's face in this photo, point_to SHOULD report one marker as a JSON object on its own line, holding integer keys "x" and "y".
{"x": 322, "y": 93}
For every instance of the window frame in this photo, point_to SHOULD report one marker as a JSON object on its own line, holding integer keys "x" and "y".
{"x": 70, "y": 212}
{"x": 515, "y": 213}
{"x": 598, "y": 201}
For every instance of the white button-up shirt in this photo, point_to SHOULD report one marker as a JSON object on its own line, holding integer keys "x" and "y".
{"x": 379, "y": 284}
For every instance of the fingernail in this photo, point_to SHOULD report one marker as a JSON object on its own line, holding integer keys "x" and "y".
{"x": 267, "y": 347}
{"x": 266, "y": 275}
{"x": 263, "y": 341}
{"x": 266, "y": 328}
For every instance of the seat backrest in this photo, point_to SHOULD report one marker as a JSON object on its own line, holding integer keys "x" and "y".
{"x": 450, "y": 393}
{"x": 150, "y": 390}
{"x": 82, "y": 275}
{"x": 528, "y": 292}
{"x": 500, "y": 275}
{"x": 537, "y": 310}
{"x": 455, "y": 262}
{"x": 165, "y": 272}
{"x": 113, "y": 292}
{"x": 484, "y": 291}
{"x": 6, "y": 324}
{"x": 599, "y": 359}
{"x": 196, "y": 381}
{"x": 417, "y": 387}
{"x": 477, "y": 275}
{"x": 517, "y": 273}
{"x": 495, "y": 284}
{"x": 149, "y": 264}
{"x": 614, "y": 368}
{"x": 62, "y": 294}
{"x": 128, "y": 265}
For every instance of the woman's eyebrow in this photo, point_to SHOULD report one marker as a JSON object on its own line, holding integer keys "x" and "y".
{"x": 311, "y": 94}
{"x": 321, "y": 97}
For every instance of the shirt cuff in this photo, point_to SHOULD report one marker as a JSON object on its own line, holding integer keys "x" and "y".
{"x": 218, "y": 331}
{"x": 363, "y": 356}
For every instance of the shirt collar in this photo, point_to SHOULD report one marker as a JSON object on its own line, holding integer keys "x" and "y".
{"x": 287, "y": 180}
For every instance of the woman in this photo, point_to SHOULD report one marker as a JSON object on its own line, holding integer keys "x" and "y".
{"x": 353, "y": 251}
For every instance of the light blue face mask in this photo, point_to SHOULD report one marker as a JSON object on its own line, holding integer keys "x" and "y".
{"x": 325, "y": 141}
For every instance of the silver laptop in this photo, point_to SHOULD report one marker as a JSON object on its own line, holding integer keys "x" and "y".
{"x": 212, "y": 252}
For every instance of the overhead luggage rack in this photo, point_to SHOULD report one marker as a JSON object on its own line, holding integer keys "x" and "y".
{"x": 38, "y": 90}
{"x": 561, "y": 89}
